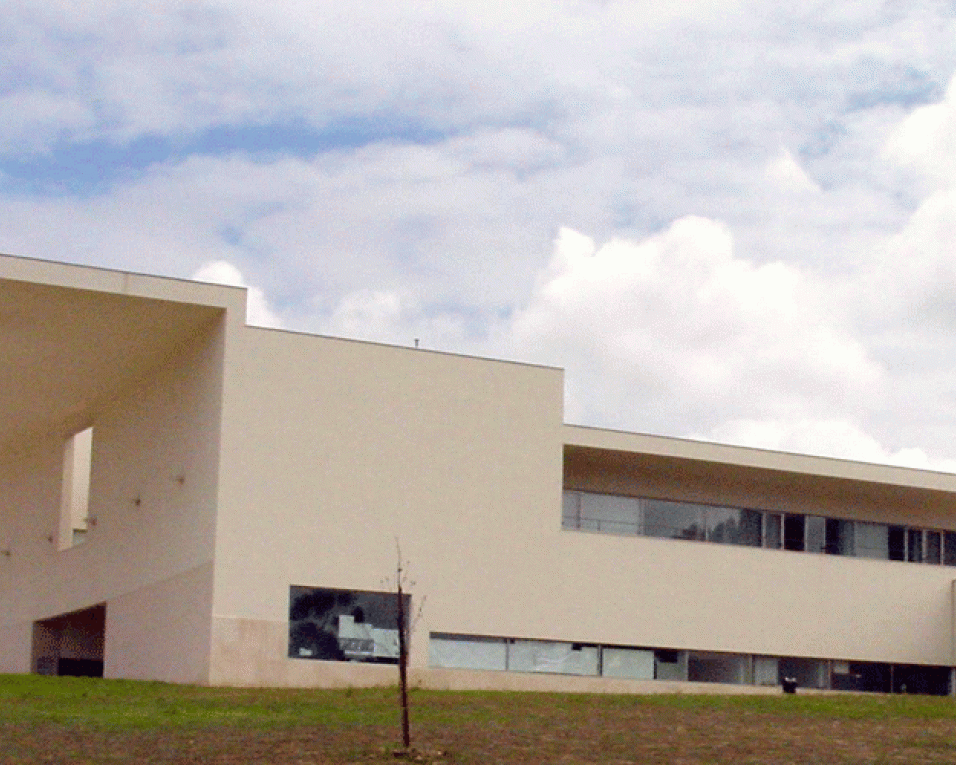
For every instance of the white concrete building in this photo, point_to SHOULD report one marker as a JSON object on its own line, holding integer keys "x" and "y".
{"x": 190, "y": 499}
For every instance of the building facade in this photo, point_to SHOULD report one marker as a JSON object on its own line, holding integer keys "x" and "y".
{"x": 187, "y": 498}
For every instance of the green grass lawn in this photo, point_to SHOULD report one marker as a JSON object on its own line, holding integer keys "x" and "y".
{"x": 52, "y": 720}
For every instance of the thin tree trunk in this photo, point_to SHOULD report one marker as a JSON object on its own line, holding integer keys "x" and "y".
{"x": 403, "y": 664}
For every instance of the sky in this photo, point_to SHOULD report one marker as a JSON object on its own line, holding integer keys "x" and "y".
{"x": 730, "y": 221}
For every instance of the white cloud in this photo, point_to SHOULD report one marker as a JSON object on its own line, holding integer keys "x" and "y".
{"x": 767, "y": 212}
{"x": 832, "y": 438}
{"x": 258, "y": 311}
{"x": 788, "y": 173}
{"x": 676, "y": 332}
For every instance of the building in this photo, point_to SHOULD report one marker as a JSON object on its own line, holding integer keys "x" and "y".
{"x": 189, "y": 499}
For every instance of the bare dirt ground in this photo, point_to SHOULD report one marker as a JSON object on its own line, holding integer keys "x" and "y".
{"x": 461, "y": 728}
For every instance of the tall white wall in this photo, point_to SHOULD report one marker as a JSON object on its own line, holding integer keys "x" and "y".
{"x": 334, "y": 449}
{"x": 148, "y": 554}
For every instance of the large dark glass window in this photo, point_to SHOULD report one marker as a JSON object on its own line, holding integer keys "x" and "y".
{"x": 896, "y": 542}
{"x": 793, "y": 532}
{"x": 839, "y": 537}
{"x": 949, "y": 548}
{"x": 344, "y": 625}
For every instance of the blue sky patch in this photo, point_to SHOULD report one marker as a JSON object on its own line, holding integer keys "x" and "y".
{"x": 92, "y": 167}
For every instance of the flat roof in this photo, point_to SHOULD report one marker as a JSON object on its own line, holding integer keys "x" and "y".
{"x": 609, "y": 442}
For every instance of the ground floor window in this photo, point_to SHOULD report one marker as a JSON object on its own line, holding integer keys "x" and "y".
{"x": 647, "y": 663}
{"x": 344, "y": 625}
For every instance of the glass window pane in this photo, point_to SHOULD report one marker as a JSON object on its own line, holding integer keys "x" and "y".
{"x": 839, "y": 537}
{"x": 872, "y": 541}
{"x": 344, "y": 625}
{"x": 773, "y": 534}
{"x": 616, "y": 515}
{"x": 815, "y": 533}
{"x": 723, "y": 524}
{"x": 949, "y": 548}
{"x": 896, "y": 542}
{"x": 914, "y": 545}
{"x": 932, "y": 547}
{"x": 793, "y": 530}
{"x": 552, "y": 657}
{"x": 634, "y": 663}
{"x": 750, "y": 522}
{"x": 465, "y": 652}
{"x": 673, "y": 520}
{"x": 571, "y": 510}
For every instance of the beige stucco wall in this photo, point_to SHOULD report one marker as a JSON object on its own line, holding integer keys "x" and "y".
{"x": 148, "y": 554}
{"x": 333, "y": 449}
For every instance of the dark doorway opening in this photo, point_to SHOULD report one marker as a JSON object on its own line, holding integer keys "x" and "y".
{"x": 70, "y": 644}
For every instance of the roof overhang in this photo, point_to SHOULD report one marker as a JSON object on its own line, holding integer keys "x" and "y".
{"x": 71, "y": 336}
{"x": 762, "y": 472}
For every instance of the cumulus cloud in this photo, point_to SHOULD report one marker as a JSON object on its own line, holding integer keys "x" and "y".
{"x": 258, "y": 311}
{"x": 829, "y": 437}
{"x": 756, "y": 200}
{"x": 676, "y": 331}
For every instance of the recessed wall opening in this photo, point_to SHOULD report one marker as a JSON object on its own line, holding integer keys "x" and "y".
{"x": 70, "y": 644}
{"x": 75, "y": 491}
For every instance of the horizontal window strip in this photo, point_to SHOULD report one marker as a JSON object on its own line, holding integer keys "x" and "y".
{"x": 669, "y": 519}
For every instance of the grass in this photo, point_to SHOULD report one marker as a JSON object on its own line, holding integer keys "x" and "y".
{"x": 66, "y": 720}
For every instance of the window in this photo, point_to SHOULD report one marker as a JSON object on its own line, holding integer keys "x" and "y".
{"x": 815, "y": 533}
{"x": 773, "y": 531}
{"x": 793, "y": 532}
{"x": 839, "y": 537}
{"x": 669, "y": 519}
{"x": 75, "y": 489}
{"x": 914, "y": 545}
{"x": 896, "y": 542}
{"x": 344, "y": 625}
{"x": 673, "y": 520}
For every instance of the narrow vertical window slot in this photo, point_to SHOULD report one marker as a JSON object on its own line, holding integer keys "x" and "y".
{"x": 75, "y": 491}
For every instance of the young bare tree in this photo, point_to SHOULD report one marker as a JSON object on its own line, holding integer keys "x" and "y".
{"x": 405, "y": 625}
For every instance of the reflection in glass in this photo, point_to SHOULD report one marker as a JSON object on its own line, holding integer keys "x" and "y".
{"x": 613, "y": 514}
{"x": 344, "y": 625}
{"x": 914, "y": 545}
{"x": 815, "y": 533}
{"x": 773, "y": 531}
{"x": 673, "y": 520}
{"x": 839, "y": 537}
{"x": 872, "y": 541}
{"x": 668, "y": 519}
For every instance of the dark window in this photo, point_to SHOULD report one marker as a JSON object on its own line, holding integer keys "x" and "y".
{"x": 914, "y": 545}
{"x": 932, "y": 547}
{"x": 344, "y": 625}
{"x": 839, "y": 537}
{"x": 793, "y": 527}
{"x": 896, "y": 542}
{"x": 949, "y": 548}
